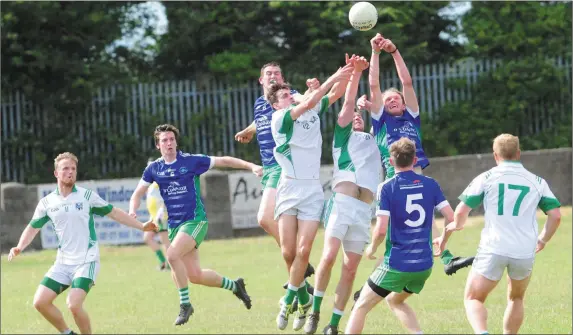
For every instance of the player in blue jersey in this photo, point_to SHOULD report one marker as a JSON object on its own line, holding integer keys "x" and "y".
{"x": 409, "y": 199}
{"x": 270, "y": 73}
{"x": 177, "y": 174}
{"x": 395, "y": 115}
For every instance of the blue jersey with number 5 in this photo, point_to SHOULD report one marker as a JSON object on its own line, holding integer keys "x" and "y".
{"x": 409, "y": 200}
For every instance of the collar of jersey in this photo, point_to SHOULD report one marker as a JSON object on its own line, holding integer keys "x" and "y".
{"x": 510, "y": 163}
{"x": 74, "y": 189}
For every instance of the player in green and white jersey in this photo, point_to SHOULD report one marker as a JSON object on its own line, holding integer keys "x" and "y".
{"x": 71, "y": 210}
{"x": 357, "y": 166}
{"x": 510, "y": 195}
{"x": 299, "y": 200}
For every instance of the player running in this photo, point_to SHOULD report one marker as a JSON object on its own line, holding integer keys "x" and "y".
{"x": 300, "y": 199}
{"x": 71, "y": 211}
{"x": 510, "y": 195}
{"x": 357, "y": 167}
{"x": 395, "y": 114}
{"x": 271, "y": 74}
{"x": 177, "y": 174}
{"x": 409, "y": 199}
{"x": 158, "y": 214}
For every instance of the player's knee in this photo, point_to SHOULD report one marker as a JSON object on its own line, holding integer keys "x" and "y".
{"x": 513, "y": 296}
{"x": 303, "y": 252}
{"x": 265, "y": 220}
{"x": 147, "y": 237}
{"x": 172, "y": 255}
{"x": 194, "y": 276}
{"x": 75, "y": 307}
{"x": 40, "y": 304}
{"x": 288, "y": 254}
{"x": 328, "y": 260}
{"x": 348, "y": 272}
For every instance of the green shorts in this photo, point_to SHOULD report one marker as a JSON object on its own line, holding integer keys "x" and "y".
{"x": 196, "y": 229}
{"x": 398, "y": 281}
{"x": 162, "y": 226}
{"x": 271, "y": 176}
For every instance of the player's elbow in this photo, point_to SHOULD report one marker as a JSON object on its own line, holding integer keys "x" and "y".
{"x": 555, "y": 216}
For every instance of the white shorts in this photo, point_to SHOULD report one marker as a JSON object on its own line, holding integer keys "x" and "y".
{"x": 348, "y": 219}
{"x": 65, "y": 274}
{"x": 492, "y": 266}
{"x": 303, "y": 198}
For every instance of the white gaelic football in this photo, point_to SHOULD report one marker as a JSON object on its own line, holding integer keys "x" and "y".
{"x": 363, "y": 16}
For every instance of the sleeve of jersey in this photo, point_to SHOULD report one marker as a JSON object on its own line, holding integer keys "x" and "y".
{"x": 323, "y": 104}
{"x": 548, "y": 200}
{"x": 284, "y": 121}
{"x": 97, "y": 204}
{"x": 147, "y": 176}
{"x": 383, "y": 208}
{"x": 40, "y": 217}
{"x": 440, "y": 199}
{"x": 377, "y": 121}
{"x": 341, "y": 135}
{"x": 414, "y": 115}
{"x": 473, "y": 195}
{"x": 201, "y": 163}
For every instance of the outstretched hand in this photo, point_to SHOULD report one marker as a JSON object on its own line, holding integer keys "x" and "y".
{"x": 363, "y": 104}
{"x": 257, "y": 170}
{"x": 244, "y": 136}
{"x": 13, "y": 253}
{"x": 387, "y": 45}
{"x": 150, "y": 226}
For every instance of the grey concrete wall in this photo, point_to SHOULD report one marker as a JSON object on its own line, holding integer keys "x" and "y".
{"x": 17, "y": 201}
{"x": 455, "y": 173}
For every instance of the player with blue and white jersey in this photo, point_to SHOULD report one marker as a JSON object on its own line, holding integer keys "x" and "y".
{"x": 511, "y": 196}
{"x": 71, "y": 210}
{"x": 395, "y": 115}
{"x": 177, "y": 174}
{"x": 263, "y": 111}
{"x": 407, "y": 200}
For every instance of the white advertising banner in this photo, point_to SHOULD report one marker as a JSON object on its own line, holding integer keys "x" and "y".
{"x": 245, "y": 192}
{"x": 117, "y": 192}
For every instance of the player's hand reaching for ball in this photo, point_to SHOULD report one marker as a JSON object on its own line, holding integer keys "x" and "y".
{"x": 375, "y": 42}
{"x": 257, "y": 170}
{"x": 387, "y": 45}
{"x": 150, "y": 226}
{"x": 363, "y": 104}
{"x": 13, "y": 253}
{"x": 360, "y": 64}
{"x": 343, "y": 73}
{"x": 312, "y": 84}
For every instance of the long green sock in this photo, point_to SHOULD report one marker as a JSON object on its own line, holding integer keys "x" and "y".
{"x": 446, "y": 257}
{"x": 291, "y": 292}
{"x": 302, "y": 293}
{"x": 160, "y": 256}
{"x": 228, "y": 284}
{"x": 336, "y": 316}
{"x": 318, "y": 295}
{"x": 184, "y": 296}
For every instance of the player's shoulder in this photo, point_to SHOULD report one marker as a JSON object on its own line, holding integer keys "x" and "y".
{"x": 387, "y": 182}
{"x": 84, "y": 192}
{"x": 189, "y": 157}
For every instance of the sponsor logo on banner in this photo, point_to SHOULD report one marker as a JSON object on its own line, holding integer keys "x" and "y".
{"x": 117, "y": 192}
{"x": 246, "y": 192}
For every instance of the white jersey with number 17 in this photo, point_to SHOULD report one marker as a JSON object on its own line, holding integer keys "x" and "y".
{"x": 510, "y": 196}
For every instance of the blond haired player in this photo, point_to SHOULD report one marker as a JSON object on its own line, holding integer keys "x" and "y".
{"x": 71, "y": 210}
{"x": 510, "y": 195}
{"x": 158, "y": 214}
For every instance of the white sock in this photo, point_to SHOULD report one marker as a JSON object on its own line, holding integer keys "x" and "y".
{"x": 67, "y": 331}
{"x": 337, "y": 311}
{"x": 317, "y": 293}
{"x": 420, "y": 332}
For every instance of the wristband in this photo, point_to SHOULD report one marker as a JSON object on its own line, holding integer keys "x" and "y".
{"x": 394, "y": 50}
{"x": 542, "y": 241}
{"x": 375, "y": 52}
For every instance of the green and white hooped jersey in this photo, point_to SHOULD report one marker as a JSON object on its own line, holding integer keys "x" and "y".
{"x": 356, "y": 158}
{"x": 299, "y": 142}
{"x": 510, "y": 196}
{"x": 73, "y": 221}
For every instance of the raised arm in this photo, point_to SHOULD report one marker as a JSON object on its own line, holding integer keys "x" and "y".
{"x": 237, "y": 163}
{"x": 374, "y": 75}
{"x": 347, "y": 113}
{"x": 246, "y": 135}
{"x": 403, "y": 74}
{"x": 342, "y": 74}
